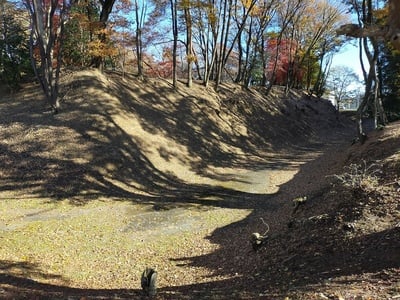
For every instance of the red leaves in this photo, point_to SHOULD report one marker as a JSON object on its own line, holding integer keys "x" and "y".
{"x": 282, "y": 60}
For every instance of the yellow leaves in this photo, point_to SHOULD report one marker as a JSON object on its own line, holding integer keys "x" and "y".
{"x": 103, "y": 47}
{"x": 191, "y": 58}
{"x": 247, "y": 3}
{"x": 185, "y": 3}
{"x": 381, "y": 14}
{"x": 97, "y": 48}
{"x": 212, "y": 17}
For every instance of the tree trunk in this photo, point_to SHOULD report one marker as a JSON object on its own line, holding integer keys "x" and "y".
{"x": 106, "y": 8}
{"x": 48, "y": 35}
{"x": 174, "y": 19}
{"x": 226, "y": 19}
{"x": 139, "y": 47}
{"x": 189, "y": 46}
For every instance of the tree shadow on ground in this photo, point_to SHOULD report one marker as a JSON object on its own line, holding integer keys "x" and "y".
{"x": 321, "y": 250}
{"x": 126, "y": 172}
{"x": 371, "y": 258}
{"x": 15, "y": 283}
{"x": 84, "y": 153}
{"x": 284, "y": 265}
{"x": 317, "y": 251}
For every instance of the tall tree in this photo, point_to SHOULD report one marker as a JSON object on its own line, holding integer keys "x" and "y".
{"x": 389, "y": 32}
{"x": 324, "y": 53}
{"x": 14, "y": 45}
{"x": 190, "y": 57}
{"x": 314, "y": 30}
{"x": 366, "y": 13}
{"x": 287, "y": 12}
{"x": 121, "y": 35}
{"x": 174, "y": 24}
{"x": 283, "y": 67}
{"x": 390, "y": 80}
{"x": 140, "y": 12}
{"x": 226, "y": 47}
{"x": 255, "y": 56}
{"x": 105, "y": 11}
{"x": 208, "y": 32}
{"x": 388, "y": 71}
{"x": 341, "y": 82}
{"x": 80, "y": 32}
{"x": 47, "y": 29}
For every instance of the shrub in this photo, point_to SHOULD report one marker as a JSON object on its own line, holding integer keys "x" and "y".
{"x": 360, "y": 177}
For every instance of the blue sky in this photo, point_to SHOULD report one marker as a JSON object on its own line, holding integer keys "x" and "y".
{"x": 348, "y": 56}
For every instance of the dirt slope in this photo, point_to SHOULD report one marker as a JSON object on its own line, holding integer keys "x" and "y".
{"x": 148, "y": 135}
{"x": 143, "y": 166}
{"x": 344, "y": 242}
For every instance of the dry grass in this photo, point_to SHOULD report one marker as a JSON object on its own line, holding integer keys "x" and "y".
{"x": 105, "y": 244}
{"x": 134, "y": 173}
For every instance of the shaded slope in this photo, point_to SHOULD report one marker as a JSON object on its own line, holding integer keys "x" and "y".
{"x": 126, "y": 138}
{"x": 144, "y": 142}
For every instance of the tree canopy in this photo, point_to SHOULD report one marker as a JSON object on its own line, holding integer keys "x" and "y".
{"x": 14, "y": 44}
{"x": 249, "y": 42}
{"x": 211, "y": 40}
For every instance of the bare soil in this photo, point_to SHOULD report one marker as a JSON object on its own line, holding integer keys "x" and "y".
{"x": 135, "y": 173}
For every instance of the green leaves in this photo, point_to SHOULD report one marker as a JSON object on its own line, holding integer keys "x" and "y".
{"x": 14, "y": 50}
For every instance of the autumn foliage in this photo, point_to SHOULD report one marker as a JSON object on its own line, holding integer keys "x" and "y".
{"x": 251, "y": 42}
{"x": 283, "y": 62}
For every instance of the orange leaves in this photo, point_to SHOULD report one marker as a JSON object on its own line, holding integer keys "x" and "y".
{"x": 82, "y": 19}
{"x": 100, "y": 48}
{"x": 247, "y": 3}
{"x": 97, "y": 48}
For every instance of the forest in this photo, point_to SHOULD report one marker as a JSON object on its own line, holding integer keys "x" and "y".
{"x": 262, "y": 43}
